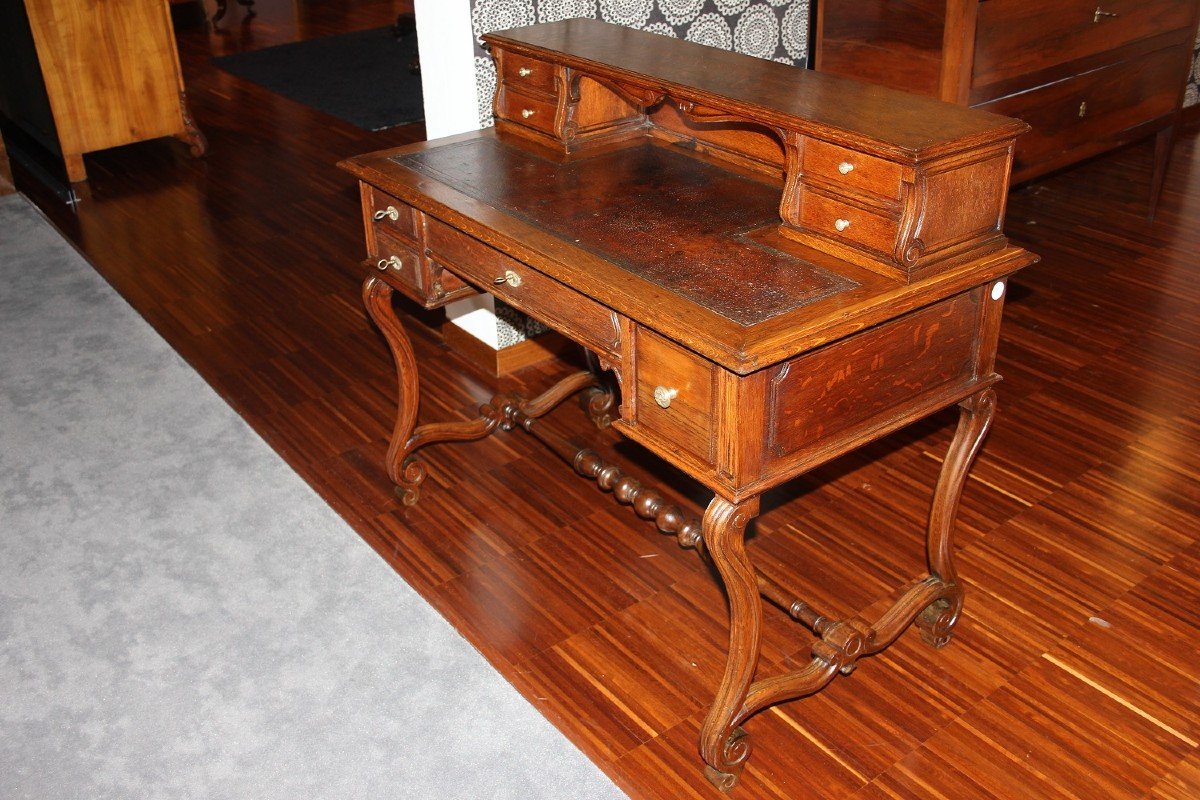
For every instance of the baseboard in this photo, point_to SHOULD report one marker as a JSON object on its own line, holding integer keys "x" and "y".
{"x": 548, "y": 346}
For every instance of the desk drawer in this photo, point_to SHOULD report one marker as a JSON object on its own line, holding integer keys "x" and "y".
{"x": 843, "y": 167}
{"x": 389, "y": 214}
{"x": 675, "y": 394}
{"x": 846, "y": 223}
{"x": 533, "y": 112}
{"x": 545, "y": 299}
{"x": 1018, "y": 37}
{"x": 528, "y": 74}
{"x": 1082, "y": 111}
{"x": 400, "y": 265}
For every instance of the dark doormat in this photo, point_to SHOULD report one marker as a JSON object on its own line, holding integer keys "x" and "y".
{"x": 363, "y": 77}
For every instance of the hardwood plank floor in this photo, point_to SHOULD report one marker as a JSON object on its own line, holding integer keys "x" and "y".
{"x": 1076, "y": 669}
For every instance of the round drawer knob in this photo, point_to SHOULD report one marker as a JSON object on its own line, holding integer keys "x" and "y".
{"x": 845, "y": 168}
{"x": 841, "y": 224}
{"x": 663, "y": 396}
{"x": 527, "y": 112}
{"x": 524, "y": 72}
{"x": 509, "y": 277}
{"x": 391, "y": 212}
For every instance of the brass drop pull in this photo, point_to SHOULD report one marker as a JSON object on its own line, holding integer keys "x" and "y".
{"x": 841, "y": 224}
{"x": 845, "y": 168}
{"x": 391, "y": 261}
{"x": 663, "y": 396}
{"x": 527, "y": 112}
{"x": 509, "y": 277}
{"x": 1102, "y": 13}
{"x": 391, "y": 212}
{"x": 1083, "y": 109}
{"x": 524, "y": 72}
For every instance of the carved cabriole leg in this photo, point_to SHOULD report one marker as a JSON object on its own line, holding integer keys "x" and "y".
{"x": 937, "y": 621}
{"x": 191, "y": 135}
{"x": 405, "y": 472}
{"x": 724, "y": 746}
{"x": 377, "y": 297}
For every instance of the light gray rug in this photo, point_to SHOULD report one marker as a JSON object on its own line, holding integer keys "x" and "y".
{"x": 182, "y": 617}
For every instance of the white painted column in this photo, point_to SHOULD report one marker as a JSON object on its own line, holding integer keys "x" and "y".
{"x": 447, "y": 49}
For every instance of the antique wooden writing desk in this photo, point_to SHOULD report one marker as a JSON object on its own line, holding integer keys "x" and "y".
{"x": 775, "y": 265}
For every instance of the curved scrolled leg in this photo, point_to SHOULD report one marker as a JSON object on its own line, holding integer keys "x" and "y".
{"x": 191, "y": 135}
{"x": 724, "y": 746}
{"x": 937, "y": 621}
{"x": 405, "y": 473}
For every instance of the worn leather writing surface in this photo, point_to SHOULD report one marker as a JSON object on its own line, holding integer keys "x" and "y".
{"x": 673, "y": 220}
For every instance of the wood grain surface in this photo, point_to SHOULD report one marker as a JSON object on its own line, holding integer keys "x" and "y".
{"x": 1075, "y": 668}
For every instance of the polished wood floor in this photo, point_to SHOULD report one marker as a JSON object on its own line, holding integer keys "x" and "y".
{"x": 1076, "y": 669}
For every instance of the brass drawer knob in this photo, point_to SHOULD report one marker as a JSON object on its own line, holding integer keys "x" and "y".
{"x": 393, "y": 262}
{"x": 841, "y": 224}
{"x": 509, "y": 277}
{"x": 391, "y": 212}
{"x": 663, "y": 396}
{"x": 524, "y": 72}
{"x": 845, "y": 168}
{"x": 527, "y": 112}
{"x": 1083, "y": 109}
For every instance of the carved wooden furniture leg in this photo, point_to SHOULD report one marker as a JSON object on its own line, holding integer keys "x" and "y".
{"x": 933, "y": 602}
{"x": 600, "y": 401}
{"x": 191, "y": 135}
{"x": 723, "y": 745}
{"x": 377, "y": 297}
{"x": 937, "y": 621}
{"x": 405, "y": 472}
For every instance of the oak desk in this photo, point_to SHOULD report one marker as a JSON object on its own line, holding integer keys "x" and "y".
{"x": 772, "y": 267}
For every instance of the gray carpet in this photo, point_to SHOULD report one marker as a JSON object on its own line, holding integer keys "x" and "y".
{"x": 182, "y": 617}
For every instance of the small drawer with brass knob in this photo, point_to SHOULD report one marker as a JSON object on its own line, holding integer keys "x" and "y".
{"x": 842, "y": 168}
{"x": 833, "y": 218}
{"x": 528, "y": 110}
{"x": 389, "y": 213}
{"x": 527, "y": 74}
{"x": 398, "y": 264}
{"x": 675, "y": 393}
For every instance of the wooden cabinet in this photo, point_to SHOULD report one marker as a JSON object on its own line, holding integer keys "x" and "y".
{"x": 1087, "y": 75}
{"x": 111, "y": 73}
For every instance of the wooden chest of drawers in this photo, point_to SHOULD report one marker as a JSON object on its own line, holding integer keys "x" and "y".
{"x": 1087, "y": 75}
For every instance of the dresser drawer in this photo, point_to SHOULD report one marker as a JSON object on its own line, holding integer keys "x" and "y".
{"x": 1018, "y": 37}
{"x": 389, "y": 214}
{"x": 545, "y": 299}
{"x": 856, "y": 170}
{"x": 527, "y": 74}
{"x": 841, "y": 221}
{"x": 534, "y": 112}
{"x": 1080, "y": 112}
{"x": 675, "y": 394}
{"x": 399, "y": 264}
